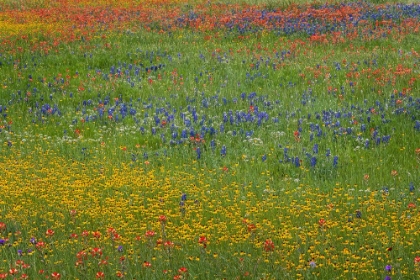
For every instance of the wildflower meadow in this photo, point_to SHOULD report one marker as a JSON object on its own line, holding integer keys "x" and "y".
{"x": 195, "y": 139}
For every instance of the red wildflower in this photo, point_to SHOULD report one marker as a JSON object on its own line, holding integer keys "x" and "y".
{"x": 96, "y": 251}
{"x": 203, "y": 240}
{"x": 146, "y": 264}
{"x": 116, "y": 236}
{"x": 3, "y": 226}
{"x": 268, "y": 245}
{"x": 81, "y": 255}
{"x": 296, "y": 134}
{"x": 251, "y": 227}
{"x": 111, "y": 231}
{"x": 162, "y": 219}
{"x": 49, "y": 232}
{"x": 25, "y": 265}
{"x": 183, "y": 270}
{"x": 103, "y": 262}
{"x": 100, "y": 275}
{"x": 40, "y": 245}
{"x": 322, "y": 222}
{"x": 417, "y": 260}
{"x": 55, "y": 275}
{"x": 150, "y": 233}
{"x": 168, "y": 244}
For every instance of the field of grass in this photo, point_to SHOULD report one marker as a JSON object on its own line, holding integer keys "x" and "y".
{"x": 171, "y": 139}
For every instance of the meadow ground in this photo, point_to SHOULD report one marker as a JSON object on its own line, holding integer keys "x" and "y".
{"x": 168, "y": 139}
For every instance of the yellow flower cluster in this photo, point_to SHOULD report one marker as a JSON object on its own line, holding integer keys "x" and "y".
{"x": 348, "y": 231}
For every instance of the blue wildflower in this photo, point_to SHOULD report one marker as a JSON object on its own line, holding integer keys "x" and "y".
{"x": 335, "y": 161}
{"x": 198, "y": 151}
{"x": 297, "y": 162}
{"x": 223, "y": 151}
{"x": 315, "y": 149}
{"x": 213, "y": 144}
{"x": 313, "y": 161}
{"x": 367, "y": 144}
{"x": 411, "y": 187}
{"x": 184, "y": 197}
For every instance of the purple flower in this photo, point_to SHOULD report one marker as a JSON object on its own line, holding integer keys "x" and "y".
{"x": 387, "y": 277}
{"x": 33, "y": 240}
{"x": 367, "y": 144}
{"x": 183, "y": 197}
{"x": 297, "y": 162}
{"x": 2, "y": 242}
{"x": 120, "y": 248}
{"x": 313, "y": 161}
{"x": 388, "y": 267}
{"x": 335, "y": 161}
{"x": 411, "y": 187}
{"x": 223, "y": 151}
{"x": 20, "y": 252}
{"x": 312, "y": 264}
{"x": 212, "y": 144}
